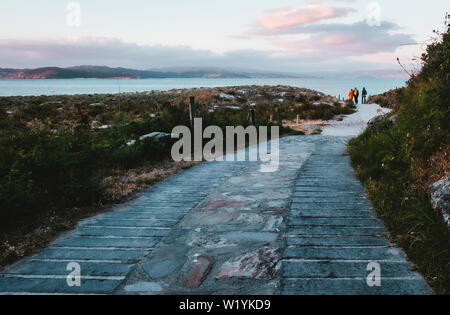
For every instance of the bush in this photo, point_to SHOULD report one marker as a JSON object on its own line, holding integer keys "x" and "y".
{"x": 40, "y": 171}
{"x": 394, "y": 162}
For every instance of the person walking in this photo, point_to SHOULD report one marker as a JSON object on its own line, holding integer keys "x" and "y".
{"x": 364, "y": 96}
{"x": 356, "y": 95}
{"x": 350, "y": 95}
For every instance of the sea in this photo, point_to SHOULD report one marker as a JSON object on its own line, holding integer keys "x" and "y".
{"x": 332, "y": 86}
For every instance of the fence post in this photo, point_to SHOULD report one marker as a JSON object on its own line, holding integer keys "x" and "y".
{"x": 252, "y": 111}
{"x": 298, "y": 119}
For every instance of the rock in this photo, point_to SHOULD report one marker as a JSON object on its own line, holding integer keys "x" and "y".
{"x": 273, "y": 224}
{"x": 156, "y": 135}
{"x": 220, "y": 204}
{"x": 226, "y": 96}
{"x": 165, "y": 262}
{"x": 393, "y": 118}
{"x": 376, "y": 120}
{"x": 130, "y": 143}
{"x": 199, "y": 270}
{"x": 233, "y": 107}
{"x": 259, "y": 264}
{"x": 440, "y": 197}
{"x": 250, "y": 218}
{"x": 275, "y": 211}
{"x": 209, "y": 242}
{"x": 209, "y": 218}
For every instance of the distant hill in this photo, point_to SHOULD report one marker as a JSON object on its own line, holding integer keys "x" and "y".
{"x": 102, "y": 72}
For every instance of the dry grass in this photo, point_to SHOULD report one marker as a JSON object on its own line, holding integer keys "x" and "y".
{"x": 123, "y": 184}
{"x": 431, "y": 171}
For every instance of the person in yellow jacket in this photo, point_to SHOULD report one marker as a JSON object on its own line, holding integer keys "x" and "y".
{"x": 356, "y": 95}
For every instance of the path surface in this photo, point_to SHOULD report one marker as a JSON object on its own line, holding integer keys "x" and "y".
{"x": 227, "y": 228}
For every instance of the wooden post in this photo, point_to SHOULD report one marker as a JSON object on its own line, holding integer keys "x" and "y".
{"x": 298, "y": 119}
{"x": 253, "y": 116}
{"x": 192, "y": 112}
{"x": 271, "y": 118}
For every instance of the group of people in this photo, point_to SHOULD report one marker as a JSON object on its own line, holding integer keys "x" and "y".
{"x": 353, "y": 95}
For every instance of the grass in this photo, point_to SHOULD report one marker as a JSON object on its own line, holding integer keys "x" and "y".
{"x": 404, "y": 207}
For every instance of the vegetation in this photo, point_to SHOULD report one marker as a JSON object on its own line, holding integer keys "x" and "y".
{"x": 59, "y": 154}
{"x": 387, "y": 100}
{"x": 398, "y": 158}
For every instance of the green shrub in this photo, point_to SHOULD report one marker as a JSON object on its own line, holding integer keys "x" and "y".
{"x": 389, "y": 159}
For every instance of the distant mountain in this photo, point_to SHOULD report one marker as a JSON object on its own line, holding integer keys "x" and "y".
{"x": 102, "y": 72}
{"x": 212, "y": 72}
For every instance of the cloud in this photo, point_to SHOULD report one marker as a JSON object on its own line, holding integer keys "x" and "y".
{"x": 117, "y": 53}
{"x": 339, "y": 40}
{"x": 90, "y": 50}
{"x": 287, "y": 17}
{"x": 308, "y": 31}
{"x": 300, "y": 48}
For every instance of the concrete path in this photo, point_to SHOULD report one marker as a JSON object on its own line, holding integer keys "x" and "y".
{"x": 227, "y": 228}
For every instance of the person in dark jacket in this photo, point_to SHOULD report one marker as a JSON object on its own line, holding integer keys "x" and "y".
{"x": 364, "y": 96}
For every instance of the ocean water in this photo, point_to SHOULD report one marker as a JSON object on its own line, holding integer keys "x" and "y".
{"x": 332, "y": 86}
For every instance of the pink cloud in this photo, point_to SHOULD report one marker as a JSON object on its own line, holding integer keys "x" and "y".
{"x": 343, "y": 40}
{"x": 335, "y": 40}
{"x": 286, "y": 17}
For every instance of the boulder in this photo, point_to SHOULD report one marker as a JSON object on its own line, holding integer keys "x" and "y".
{"x": 440, "y": 197}
{"x": 376, "y": 120}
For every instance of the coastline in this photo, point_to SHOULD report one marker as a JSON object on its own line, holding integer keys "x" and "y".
{"x": 334, "y": 86}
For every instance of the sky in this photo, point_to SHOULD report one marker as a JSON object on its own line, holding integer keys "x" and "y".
{"x": 298, "y": 36}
